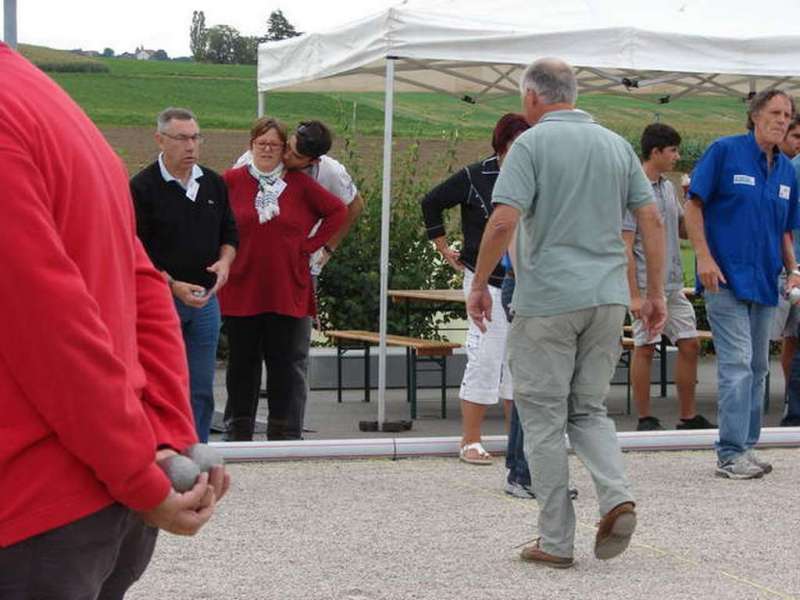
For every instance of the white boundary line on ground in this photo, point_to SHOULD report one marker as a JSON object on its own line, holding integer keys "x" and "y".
{"x": 404, "y": 447}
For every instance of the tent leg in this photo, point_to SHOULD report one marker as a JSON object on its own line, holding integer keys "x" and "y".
{"x": 262, "y": 104}
{"x": 10, "y": 23}
{"x": 386, "y": 209}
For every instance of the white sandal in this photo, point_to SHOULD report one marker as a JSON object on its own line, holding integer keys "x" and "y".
{"x": 483, "y": 458}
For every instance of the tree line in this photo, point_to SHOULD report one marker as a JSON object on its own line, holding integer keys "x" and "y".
{"x": 224, "y": 44}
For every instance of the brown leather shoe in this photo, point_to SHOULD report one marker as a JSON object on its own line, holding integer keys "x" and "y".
{"x": 534, "y": 554}
{"x": 614, "y": 531}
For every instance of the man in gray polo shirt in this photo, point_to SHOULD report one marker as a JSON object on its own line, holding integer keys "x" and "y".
{"x": 567, "y": 183}
{"x": 660, "y": 151}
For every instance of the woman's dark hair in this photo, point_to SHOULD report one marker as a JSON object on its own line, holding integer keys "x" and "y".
{"x": 760, "y": 100}
{"x": 263, "y": 125}
{"x": 509, "y": 126}
{"x": 658, "y": 135}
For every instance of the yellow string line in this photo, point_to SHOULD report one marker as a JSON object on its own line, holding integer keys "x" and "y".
{"x": 695, "y": 563}
{"x": 654, "y": 549}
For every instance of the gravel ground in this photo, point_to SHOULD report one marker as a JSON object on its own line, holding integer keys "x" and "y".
{"x": 438, "y": 529}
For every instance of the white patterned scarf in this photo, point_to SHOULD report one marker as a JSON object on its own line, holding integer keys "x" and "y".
{"x": 270, "y": 186}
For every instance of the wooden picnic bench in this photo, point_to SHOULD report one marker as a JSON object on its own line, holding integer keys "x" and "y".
{"x": 418, "y": 350}
{"x": 627, "y": 356}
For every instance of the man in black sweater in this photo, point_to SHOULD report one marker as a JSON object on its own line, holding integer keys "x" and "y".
{"x": 187, "y": 227}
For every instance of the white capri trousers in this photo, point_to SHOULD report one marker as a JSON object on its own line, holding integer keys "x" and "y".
{"x": 486, "y": 376}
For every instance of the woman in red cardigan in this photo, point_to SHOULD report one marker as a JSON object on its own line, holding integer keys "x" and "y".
{"x": 268, "y": 301}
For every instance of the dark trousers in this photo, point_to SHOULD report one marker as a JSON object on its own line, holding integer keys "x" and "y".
{"x": 516, "y": 463}
{"x": 281, "y": 342}
{"x": 792, "y": 416}
{"x": 94, "y": 558}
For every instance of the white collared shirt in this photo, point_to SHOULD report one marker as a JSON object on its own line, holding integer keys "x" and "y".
{"x": 191, "y": 186}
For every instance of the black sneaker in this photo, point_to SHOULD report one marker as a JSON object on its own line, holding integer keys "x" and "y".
{"x": 696, "y": 422}
{"x": 649, "y": 424}
{"x": 790, "y": 422}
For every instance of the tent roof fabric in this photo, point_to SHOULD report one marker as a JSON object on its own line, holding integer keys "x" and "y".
{"x": 694, "y": 43}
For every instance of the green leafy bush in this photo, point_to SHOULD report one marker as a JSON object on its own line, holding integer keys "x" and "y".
{"x": 349, "y": 287}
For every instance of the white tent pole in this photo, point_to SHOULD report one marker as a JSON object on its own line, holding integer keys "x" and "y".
{"x": 10, "y": 23}
{"x": 386, "y": 212}
{"x": 262, "y": 103}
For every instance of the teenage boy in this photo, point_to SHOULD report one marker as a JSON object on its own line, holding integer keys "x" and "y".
{"x": 659, "y": 144}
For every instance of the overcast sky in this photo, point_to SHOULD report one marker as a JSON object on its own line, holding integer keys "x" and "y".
{"x": 125, "y": 24}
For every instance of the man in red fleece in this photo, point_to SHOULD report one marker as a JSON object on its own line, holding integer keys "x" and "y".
{"x": 93, "y": 382}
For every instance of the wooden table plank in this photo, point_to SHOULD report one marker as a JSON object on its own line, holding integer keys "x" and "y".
{"x": 423, "y": 347}
{"x": 450, "y": 295}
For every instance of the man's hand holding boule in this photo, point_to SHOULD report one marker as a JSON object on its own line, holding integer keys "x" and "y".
{"x": 202, "y": 457}
{"x": 184, "y": 514}
{"x": 190, "y": 294}
{"x": 210, "y": 461}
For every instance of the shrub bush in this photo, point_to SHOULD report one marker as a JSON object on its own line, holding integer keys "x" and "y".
{"x": 349, "y": 286}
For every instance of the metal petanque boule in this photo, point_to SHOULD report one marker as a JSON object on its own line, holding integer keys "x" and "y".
{"x": 204, "y": 456}
{"x": 182, "y": 472}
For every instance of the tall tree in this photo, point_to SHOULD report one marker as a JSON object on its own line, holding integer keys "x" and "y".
{"x": 245, "y": 50}
{"x": 279, "y": 28}
{"x": 108, "y": 52}
{"x": 221, "y": 46}
{"x": 198, "y": 35}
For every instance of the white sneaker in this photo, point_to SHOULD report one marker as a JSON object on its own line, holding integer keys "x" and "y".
{"x": 755, "y": 460}
{"x": 739, "y": 468}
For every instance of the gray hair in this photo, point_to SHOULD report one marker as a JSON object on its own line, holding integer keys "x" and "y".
{"x": 760, "y": 100}
{"x": 552, "y": 79}
{"x": 168, "y": 114}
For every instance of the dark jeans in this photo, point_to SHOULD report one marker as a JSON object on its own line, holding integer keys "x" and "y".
{"x": 515, "y": 453}
{"x": 96, "y": 557}
{"x": 792, "y": 416}
{"x": 200, "y": 335}
{"x": 282, "y": 343}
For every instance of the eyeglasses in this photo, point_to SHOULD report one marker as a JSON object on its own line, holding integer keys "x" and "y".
{"x": 197, "y": 137}
{"x": 269, "y": 145}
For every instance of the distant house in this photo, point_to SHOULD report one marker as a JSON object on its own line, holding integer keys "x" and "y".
{"x": 143, "y": 53}
{"x": 130, "y": 55}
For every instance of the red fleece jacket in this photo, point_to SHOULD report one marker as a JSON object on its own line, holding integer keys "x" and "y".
{"x": 92, "y": 366}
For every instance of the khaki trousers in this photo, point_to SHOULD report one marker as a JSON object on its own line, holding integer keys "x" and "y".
{"x": 562, "y": 368}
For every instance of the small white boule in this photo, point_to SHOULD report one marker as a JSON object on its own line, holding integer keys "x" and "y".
{"x": 182, "y": 472}
{"x": 205, "y": 457}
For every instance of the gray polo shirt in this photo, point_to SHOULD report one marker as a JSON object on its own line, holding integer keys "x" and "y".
{"x": 572, "y": 181}
{"x": 671, "y": 212}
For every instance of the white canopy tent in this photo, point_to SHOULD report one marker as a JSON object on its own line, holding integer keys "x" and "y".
{"x": 476, "y": 49}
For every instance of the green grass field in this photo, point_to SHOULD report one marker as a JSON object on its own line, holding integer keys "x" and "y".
{"x": 224, "y": 96}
